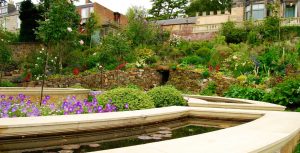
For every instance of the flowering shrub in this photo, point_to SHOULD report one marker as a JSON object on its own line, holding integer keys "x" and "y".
{"x": 22, "y": 106}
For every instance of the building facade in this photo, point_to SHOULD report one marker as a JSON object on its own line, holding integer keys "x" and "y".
{"x": 107, "y": 19}
{"x": 9, "y": 17}
{"x": 208, "y": 24}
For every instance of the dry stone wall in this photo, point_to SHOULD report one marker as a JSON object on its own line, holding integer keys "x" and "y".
{"x": 145, "y": 78}
{"x": 185, "y": 80}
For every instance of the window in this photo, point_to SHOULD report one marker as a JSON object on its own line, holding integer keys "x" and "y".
{"x": 248, "y": 12}
{"x": 289, "y": 11}
{"x": 18, "y": 23}
{"x": 258, "y": 11}
{"x": 91, "y": 9}
{"x": 84, "y": 13}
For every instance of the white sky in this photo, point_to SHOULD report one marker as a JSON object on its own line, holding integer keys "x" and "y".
{"x": 116, "y": 5}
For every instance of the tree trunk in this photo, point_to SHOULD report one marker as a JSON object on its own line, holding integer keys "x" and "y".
{"x": 44, "y": 77}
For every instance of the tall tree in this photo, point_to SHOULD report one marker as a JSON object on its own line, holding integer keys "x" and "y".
{"x": 60, "y": 27}
{"x": 207, "y": 6}
{"x": 142, "y": 32}
{"x": 29, "y": 15}
{"x": 167, "y": 9}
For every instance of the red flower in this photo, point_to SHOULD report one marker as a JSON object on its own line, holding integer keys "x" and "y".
{"x": 76, "y": 71}
{"x": 210, "y": 68}
{"x": 217, "y": 68}
{"x": 121, "y": 66}
{"x": 28, "y": 77}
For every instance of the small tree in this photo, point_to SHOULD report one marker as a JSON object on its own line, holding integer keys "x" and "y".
{"x": 91, "y": 26}
{"x": 167, "y": 9}
{"x": 5, "y": 56}
{"x": 28, "y": 16}
{"x": 142, "y": 32}
{"x": 207, "y": 6}
{"x": 60, "y": 27}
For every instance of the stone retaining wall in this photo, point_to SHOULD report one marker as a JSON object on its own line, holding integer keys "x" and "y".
{"x": 185, "y": 80}
{"x": 20, "y": 51}
{"x": 145, "y": 78}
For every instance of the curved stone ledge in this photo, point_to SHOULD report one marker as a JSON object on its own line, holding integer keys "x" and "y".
{"x": 270, "y": 132}
{"x": 231, "y": 103}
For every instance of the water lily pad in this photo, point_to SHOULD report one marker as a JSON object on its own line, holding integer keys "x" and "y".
{"x": 66, "y": 151}
{"x": 164, "y": 132}
{"x": 144, "y": 137}
{"x": 94, "y": 145}
{"x": 70, "y": 147}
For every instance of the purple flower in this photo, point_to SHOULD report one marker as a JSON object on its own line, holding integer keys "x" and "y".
{"x": 11, "y": 98}
{"x": 126, "y": 106}
{"x": 100, "y": 109}
{"x": 47, "y": 97}
{"x": 44, "y": 102}
{"x": 2, "y": 96}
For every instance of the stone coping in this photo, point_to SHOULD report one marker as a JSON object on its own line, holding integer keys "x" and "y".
{"x": 37, "y": 90}
{"x": 270, "y": 132}
{"x": 231, "y": 103}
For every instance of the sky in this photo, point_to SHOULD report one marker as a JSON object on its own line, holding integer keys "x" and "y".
{"x": 116, "y": 5}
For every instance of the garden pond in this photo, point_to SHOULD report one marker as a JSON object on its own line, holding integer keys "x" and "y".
{"x": 88, "y": 141}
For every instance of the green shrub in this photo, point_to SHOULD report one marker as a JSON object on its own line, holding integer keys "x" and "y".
{"x": 7, "y": 84}
{"x": 135, "y": 98}
{"x": 204, "y": 53}
{"x": 193, "y": 60}
{"x": 271, "y": 28}
{"x": 210, "y": 90}
{"x": 253, "y": 38}
{"x": 205, "y": 74}
{"x": 166, "y": 96}
{"x": 232, "y": 33}
{"x": 236, "y": 91}
{"x": 286, "y": 93}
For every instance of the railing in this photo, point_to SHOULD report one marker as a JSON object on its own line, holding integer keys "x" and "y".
{"x": 290, "y": 22}
{"x": 216, "y": 27}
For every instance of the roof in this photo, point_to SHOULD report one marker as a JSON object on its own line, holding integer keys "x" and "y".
{"x": 188, "y": 20}
{"x": 85, "y": 5}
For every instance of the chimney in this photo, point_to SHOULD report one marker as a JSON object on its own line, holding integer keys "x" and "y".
{"x": 87, "y": 1}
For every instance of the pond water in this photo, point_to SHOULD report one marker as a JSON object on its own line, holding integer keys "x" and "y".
{"x": 87, "y": 141}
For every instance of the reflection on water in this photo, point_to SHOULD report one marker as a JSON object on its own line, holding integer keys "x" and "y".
{"x": 113, "y": 138}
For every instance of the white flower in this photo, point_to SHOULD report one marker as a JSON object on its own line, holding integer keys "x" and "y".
{"x": 81, "y": 42}
{"x": 41, "y": 52}
{"x": 69, "y": 29}
{"x": 234, "y": 57}
{"x": 95, "y": 54}
{"x": 43, "y": 49}
{"x": 55, "y": 57}
{"x": 2, "y": 40}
